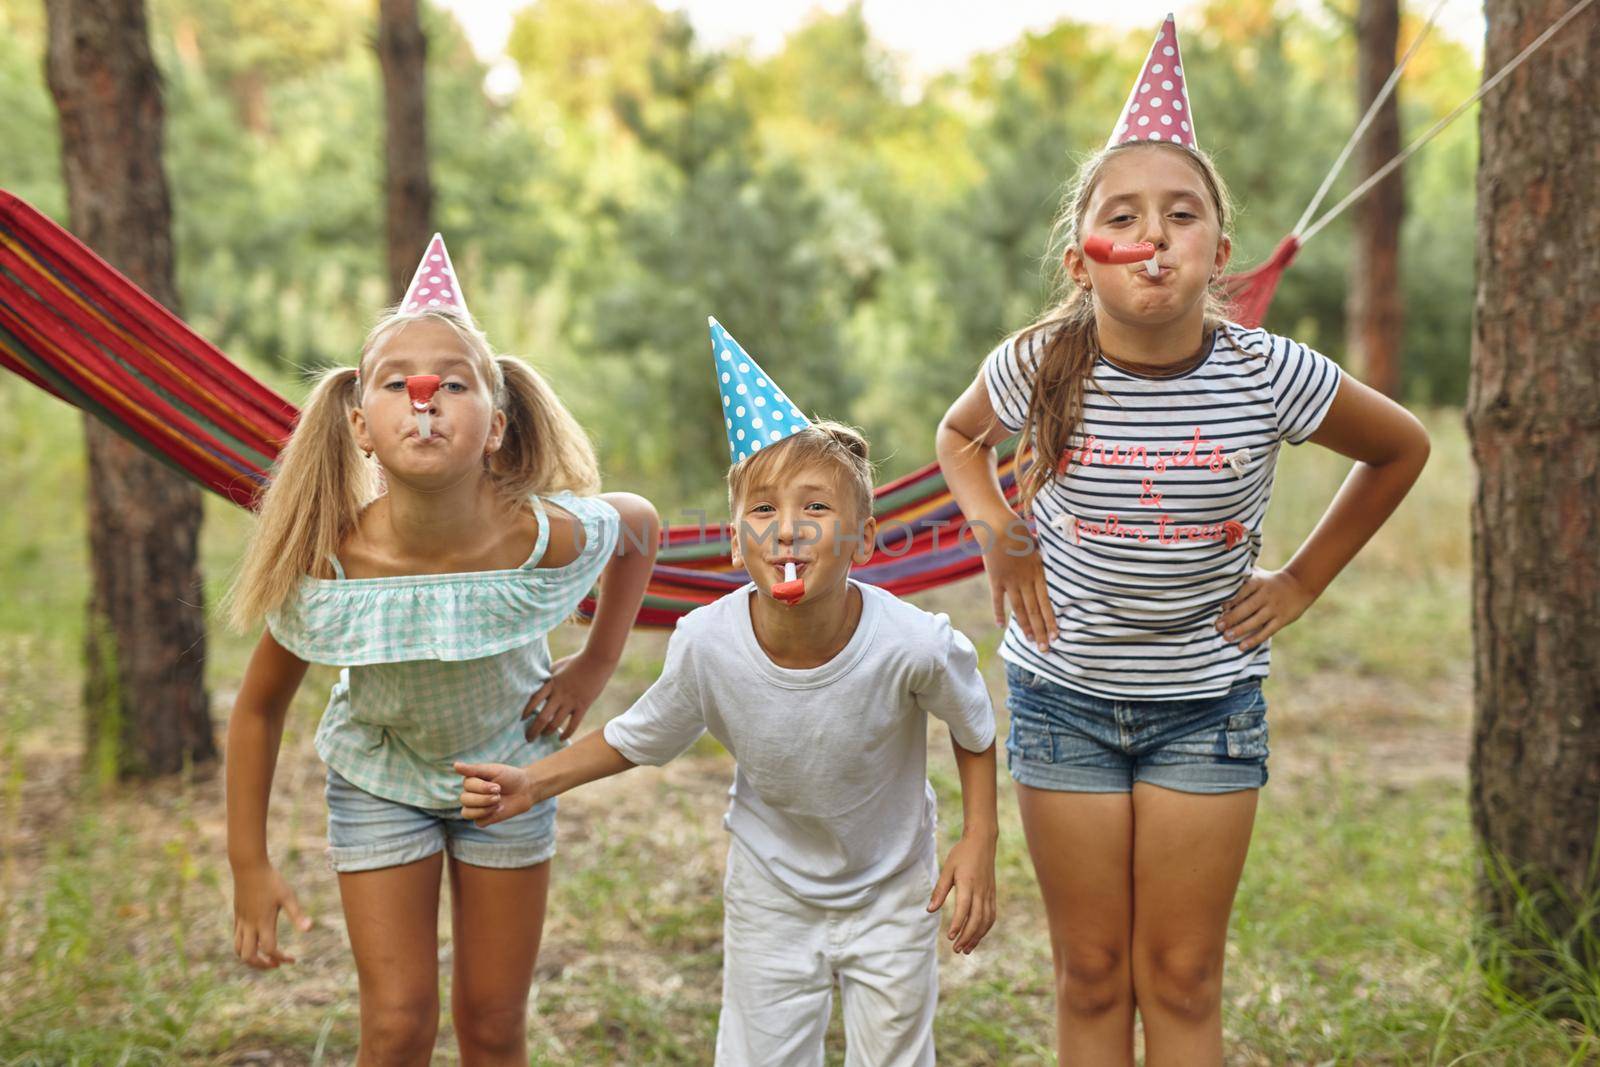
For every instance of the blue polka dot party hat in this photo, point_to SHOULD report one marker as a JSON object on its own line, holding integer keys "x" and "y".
{"x": 756, "y": 412}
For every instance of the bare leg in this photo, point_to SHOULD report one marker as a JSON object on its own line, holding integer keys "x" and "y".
{"x": 1082, "y": 849}
{"x": 498, "y": 918}
{"x": 392, "y": 915}
{"x": 1188, "y": 852}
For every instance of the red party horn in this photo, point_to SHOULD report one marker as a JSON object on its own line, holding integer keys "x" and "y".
{"x": 1101, "y": 248}
{"x": 791, "y": 589}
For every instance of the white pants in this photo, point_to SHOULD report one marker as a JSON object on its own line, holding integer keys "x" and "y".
{"x": 780, "y": 956}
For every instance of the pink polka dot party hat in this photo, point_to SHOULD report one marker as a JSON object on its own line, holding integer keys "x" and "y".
{"x": 1158, "y": 105}
{"x": 435, "y": 284}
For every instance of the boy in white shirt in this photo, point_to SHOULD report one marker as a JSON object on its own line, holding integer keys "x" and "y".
{"x": 832, "y": 861}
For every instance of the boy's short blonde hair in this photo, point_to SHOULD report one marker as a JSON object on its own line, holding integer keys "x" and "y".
{"x": 824, "y": 442}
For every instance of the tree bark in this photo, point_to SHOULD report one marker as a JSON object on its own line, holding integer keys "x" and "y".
{"x": 1533, "y": 414}
{"x": 146, "y": 705}
{"x": 408, "y": 192}
{"x": 1374, "y": 315}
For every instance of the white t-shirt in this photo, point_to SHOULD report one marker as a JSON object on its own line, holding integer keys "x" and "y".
{"x": 1157, "y": 522}
{"x": 831, "y": 794}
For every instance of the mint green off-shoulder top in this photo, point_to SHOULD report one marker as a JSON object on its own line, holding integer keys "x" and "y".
{"x": 439, "y": 667}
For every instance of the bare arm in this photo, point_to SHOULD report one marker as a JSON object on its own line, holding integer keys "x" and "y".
{"x": 965, "y": 444}
{"x": 978, "y": 818}
{"x": 494, "y": 792}
{"x": 255, "y": 731}
{"x": 1390, "y": 448}
{"x": 591, "y": 759}
{"x": 623, "y": 582}
{"x": 969, "y": 869}
{"x": 577, "y": 680}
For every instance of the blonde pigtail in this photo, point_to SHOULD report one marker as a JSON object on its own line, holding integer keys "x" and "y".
{"x": 319, "y": 485}
{"x": 544, "y": 449}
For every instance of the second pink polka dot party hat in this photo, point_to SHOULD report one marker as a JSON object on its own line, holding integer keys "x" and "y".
{"x": 1158, "y": 106}
{"x": 435, "y": 284}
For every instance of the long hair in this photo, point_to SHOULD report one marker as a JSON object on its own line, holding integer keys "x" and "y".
{"x": 1067, "y": 327}
{"x": 321, "y": 482}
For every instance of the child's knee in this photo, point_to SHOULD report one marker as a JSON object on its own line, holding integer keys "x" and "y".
{"x": 400, "y": 1029}
{"x": 487, "y": 1026}
{"x": 1186, "y": 983}
{"x": 1092, "y": 979}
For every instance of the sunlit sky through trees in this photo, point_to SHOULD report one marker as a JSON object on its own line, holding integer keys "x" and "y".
{"x": 927, "y": 36}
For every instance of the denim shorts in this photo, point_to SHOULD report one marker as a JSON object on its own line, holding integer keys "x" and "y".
{"x": 366, "y": 832}
{"x": 1064, "y": 739}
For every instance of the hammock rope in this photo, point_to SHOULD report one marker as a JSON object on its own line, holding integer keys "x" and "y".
{"x": 1366, "y": 120}
{"x": 1433, "y": 131}
{"x": 1250, "y": 292}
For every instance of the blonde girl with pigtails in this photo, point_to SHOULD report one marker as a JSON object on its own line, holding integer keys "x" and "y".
{"x": 433, "y": 517}
{"x": 1139, "y": 621}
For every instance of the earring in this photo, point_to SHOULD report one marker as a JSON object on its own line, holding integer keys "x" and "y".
{"x": 367, "y": 452}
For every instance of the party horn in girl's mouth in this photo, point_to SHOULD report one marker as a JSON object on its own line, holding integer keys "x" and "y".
{"x": 1103, "y": 250}
{"x": 421, "y": 387}
{"x": 791, "y": 588}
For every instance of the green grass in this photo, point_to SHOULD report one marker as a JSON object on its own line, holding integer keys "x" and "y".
{"x": 1353, "y": 928}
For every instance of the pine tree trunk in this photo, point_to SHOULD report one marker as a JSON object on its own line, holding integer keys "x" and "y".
{"x": 1374, "y": 316}
{"x": 408, "y": 193}
{"x": 1533, "y": 412}
{"x": 146, "y": 705}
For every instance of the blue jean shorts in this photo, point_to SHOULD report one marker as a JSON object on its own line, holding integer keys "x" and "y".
{"x": 1067, "y": 740}
{"x": 366, "y": 832}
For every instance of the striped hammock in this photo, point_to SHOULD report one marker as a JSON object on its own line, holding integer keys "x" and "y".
{"x": 72, "y": 325}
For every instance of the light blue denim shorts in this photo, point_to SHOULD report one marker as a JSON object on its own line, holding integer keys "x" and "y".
{"x": 1068, "y": 740}
{"x": 366, "y": 832}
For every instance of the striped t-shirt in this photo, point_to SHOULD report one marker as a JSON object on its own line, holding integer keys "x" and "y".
{"x": 1156, "y": 522}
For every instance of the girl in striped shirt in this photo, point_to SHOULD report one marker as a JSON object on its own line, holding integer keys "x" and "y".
{"x": 1140, "y": 625}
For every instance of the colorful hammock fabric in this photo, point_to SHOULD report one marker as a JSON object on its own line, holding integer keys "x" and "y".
{"x": 74, "y": 326}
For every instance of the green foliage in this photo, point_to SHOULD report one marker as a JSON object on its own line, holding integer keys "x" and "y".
{"x": 579, "y": 56}
{"x": 104, "y": 946}
{"x": 30, "y": 164}
{"x": 831, "y": 86}
{"x": 715, "y": 228}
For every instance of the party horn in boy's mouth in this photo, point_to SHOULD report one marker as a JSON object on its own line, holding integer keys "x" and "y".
{"x": 1103, "y": 250}
{"x": 421, "y": 388}
{"x": 791, "y": 588}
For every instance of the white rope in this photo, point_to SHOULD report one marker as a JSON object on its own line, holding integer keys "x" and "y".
{"x": 1366, "y": 120}
{"x": 1382, "y": 172}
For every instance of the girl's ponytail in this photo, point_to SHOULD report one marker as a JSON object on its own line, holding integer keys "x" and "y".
{"x": 544, "y": 450}
{"x": 319, "y": 485}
